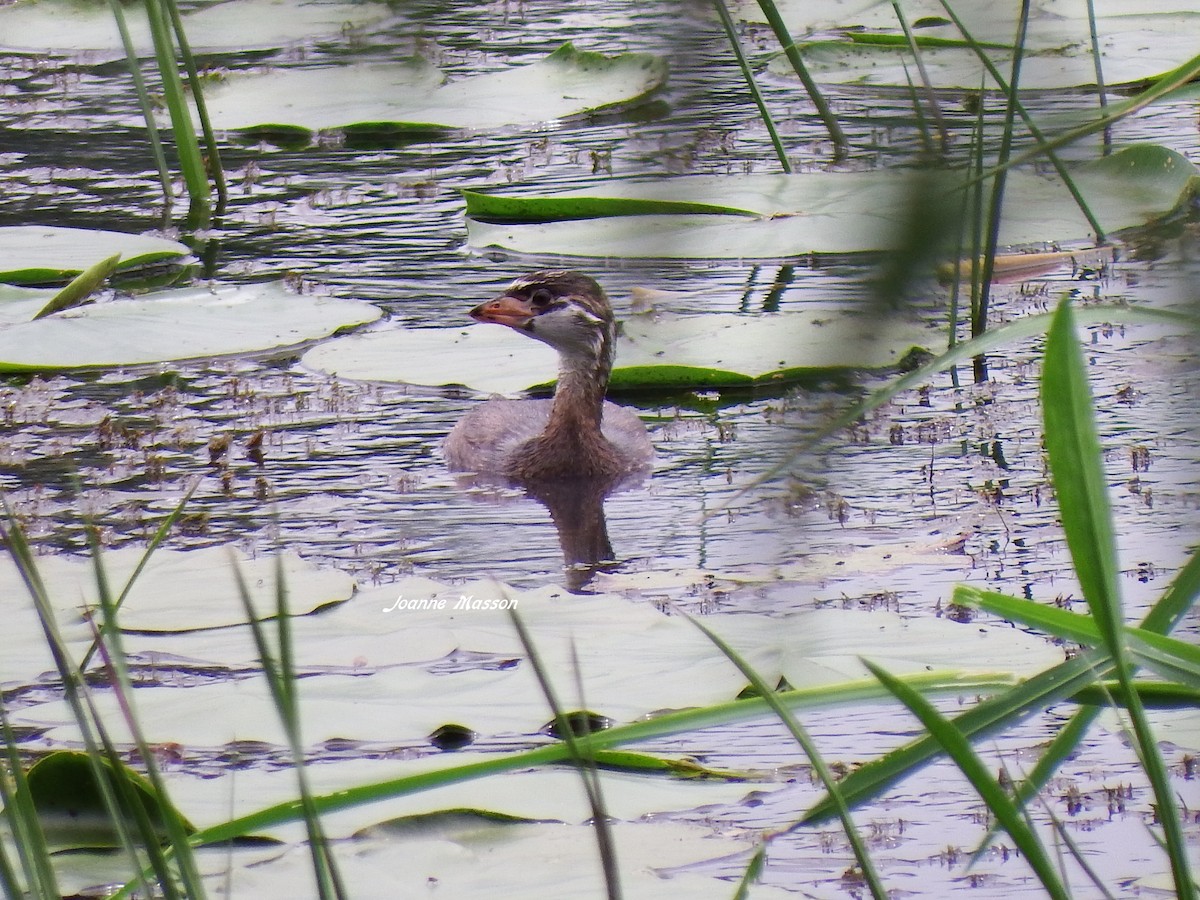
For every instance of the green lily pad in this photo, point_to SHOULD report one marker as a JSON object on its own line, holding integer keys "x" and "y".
{"x": 663, "y": 351}
{"x": 413, "y": 94}
{"x": 1134, "y": 45}
{"x": 189, "y": 323}
{"x": 70, "y": 805}
{"x": 785, "y": 216}
{"x": 68, "y": 26}
{"x": 41, "y": 254}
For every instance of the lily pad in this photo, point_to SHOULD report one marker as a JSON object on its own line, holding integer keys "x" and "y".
{"x": 872, "y": 50}
{"x": 412, "y": 94}
{"x": 68, "y": 26}
{"x": 70, "y": 805}
{"x": 663, "y": 351}
{"x": 395, "y": 663}
{"x": 40, "y": 254}
{"x": 189, "y": 323}
{"x": 178, "y": 591}
{"x": 785, "y": 216}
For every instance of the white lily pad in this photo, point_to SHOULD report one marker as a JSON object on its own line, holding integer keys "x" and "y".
{"x": 464, "y": 859}
{"x": 180, "y": 590}
{"x": 663, "y": 351}
{"x": 397, "y": 663}
{"x": 189, "y": 323}
{"x": 1135, "y": 45}
{"x": 36, "y": 254}
{"x": 413, "y": 94}
{"x": 67, "y": 26}
{"x": 785, "y": 216}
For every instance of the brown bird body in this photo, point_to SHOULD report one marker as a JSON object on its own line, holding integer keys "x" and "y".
{"x": 577, "y": 434}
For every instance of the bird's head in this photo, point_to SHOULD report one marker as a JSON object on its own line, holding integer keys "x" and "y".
{"x": 567, "y": 310}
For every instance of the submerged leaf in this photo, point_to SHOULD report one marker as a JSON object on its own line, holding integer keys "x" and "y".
{"x": 68, "y": 26}
{"x": 784, "y": 216}
{"x": 182, "y": 324}
{"x": 412, "y": 94}
{"x": 665, "y": 351}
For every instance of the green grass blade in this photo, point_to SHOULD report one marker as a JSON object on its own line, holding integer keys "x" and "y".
{"x": 828, "y": 779}
{"x": 1170, "y": 81}
{"x": 585, "y": 761}
{"x": 1020, "y": 329}
{"x": 23, "y": 821}
{"x": 113, "y": 653}
{"x": 1078, "y": 474}
{"x": 1044, "y": 144}
{"x": 1001, "y": 711}
{"x": 959, "y": 749}
{"x": 753, "y": 872}
{"x": 191, "y": 163}
{"x": 215, "y": 168}
{"x": 1172, "y": 659}
{"x": 156, "y": 540}
{"x": 914, "y": 47}
{"x": 1177, "y": 601}
{"x": 863, "y": 690}
{"x": 81, "y": 287}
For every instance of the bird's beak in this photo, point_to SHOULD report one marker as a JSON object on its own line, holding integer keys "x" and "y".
{"x": 504, "y": 310}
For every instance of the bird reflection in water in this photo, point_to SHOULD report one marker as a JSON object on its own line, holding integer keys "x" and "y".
{"x": 571, "y": 451}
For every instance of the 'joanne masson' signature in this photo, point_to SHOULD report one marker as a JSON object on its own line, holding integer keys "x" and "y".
{"x": 464, "y": 602}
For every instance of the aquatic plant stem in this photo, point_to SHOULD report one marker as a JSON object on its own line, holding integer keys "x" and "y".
{"x": 191, "y": 163}
{"x": 792, "y": 52}
{"x": 996, "y": 206}
{"x": 1044, "y": 144}
{"x": 930, "y": 96}
{"x": 748, "y": 76}
{"x": 139, "y": 87}
{"x": 215, "y": 168}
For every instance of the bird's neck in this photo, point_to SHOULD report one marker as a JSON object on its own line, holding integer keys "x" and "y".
{"x": 572, "y": 444}
{"x": 579, "y": 395}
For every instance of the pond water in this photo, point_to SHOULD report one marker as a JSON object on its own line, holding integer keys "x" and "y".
{"x": 351, "y": 475}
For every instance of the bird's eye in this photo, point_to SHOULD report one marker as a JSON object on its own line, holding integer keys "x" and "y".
{"x": 541, "y": 297}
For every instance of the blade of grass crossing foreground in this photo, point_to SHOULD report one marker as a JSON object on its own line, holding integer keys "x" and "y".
{"x": 870, "y": 876}
{"x": 74, "y": 686}
{"x": 113, "y": 653}
{"x": 25, "y": 826}
{"x": 1075, "y": 465}
{"x": 753, "y": 872}
{"x": 279, "y": 672}
{"x": 1177, "y": 601}
{"x": 958, "y": 747}
{"x": 1001, "y": 711}
{"x": 159, "y": 536}
{"x": 584, "y": 761}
